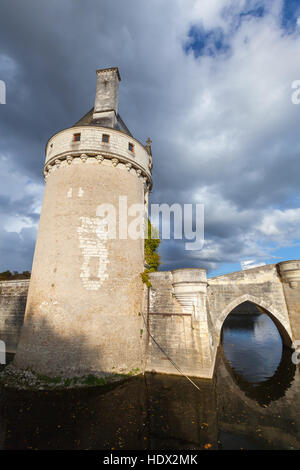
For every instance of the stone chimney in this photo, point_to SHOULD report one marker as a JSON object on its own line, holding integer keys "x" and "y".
{"x": 106, "y": 100}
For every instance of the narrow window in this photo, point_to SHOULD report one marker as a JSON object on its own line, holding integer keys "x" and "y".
{"x": 76, "y": 137}
{"x": 105, "y": 138}
{"x": 130, "y": 147}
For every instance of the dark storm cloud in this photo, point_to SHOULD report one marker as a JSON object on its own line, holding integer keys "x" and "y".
{"x": 16, "y": 249}
{"x": 224, "y": 130}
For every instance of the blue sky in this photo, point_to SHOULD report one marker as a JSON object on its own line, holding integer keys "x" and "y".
{"x": 214, "y": 42}
{"x": 290, "y": 14}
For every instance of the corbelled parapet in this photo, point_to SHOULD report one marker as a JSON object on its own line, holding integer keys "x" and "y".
{"x": 98, "y": 145}
{"x": 290, "y": 272}
{"x": 190, "y": 290}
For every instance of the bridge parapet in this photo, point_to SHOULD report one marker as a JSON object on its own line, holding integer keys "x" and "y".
{"x": 262, "y": 286}
{"x": 290, "y": 272}
{"x": 290, "y": 276}
{"x": 190, "y": 290}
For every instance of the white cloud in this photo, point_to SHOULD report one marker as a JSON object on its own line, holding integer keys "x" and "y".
{"x": 281, "y": 226}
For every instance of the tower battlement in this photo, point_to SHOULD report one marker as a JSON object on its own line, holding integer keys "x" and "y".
{"x": 98, "y": 144}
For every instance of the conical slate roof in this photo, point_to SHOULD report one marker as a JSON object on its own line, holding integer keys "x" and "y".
{"x": 87, "y": 120}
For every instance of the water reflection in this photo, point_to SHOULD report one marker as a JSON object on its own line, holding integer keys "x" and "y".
{"x": 255, "y": 355}
{"x": 166, "y": 412}
{"x": 252, "y": 344}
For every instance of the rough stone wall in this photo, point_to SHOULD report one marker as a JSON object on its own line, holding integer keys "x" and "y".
{"x": 106, "y": 98}
{"x": 290, "y": 275}
{"x": 292, "y": 298}
{"x": 177, "y": 333}
{"x": 162, "y": 300}
{"x": 91, "y": 141}
{"x": 85, "y": 293}
{"x": 260, "y": 285}
{"x": 13, "y": 296}
{"x": 192, "y": 344}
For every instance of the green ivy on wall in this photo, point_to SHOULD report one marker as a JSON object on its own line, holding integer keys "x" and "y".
{"x": 152, "y": 258}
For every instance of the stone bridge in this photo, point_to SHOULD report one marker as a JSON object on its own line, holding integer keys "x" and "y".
{"x": 187, "y": 311}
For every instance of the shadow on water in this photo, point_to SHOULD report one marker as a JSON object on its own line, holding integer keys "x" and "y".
{"x": 151, "y": 412}
{"x": 273, "y": 387}
{"x": 253, "y": 402}
{"x": 255, "y": 356}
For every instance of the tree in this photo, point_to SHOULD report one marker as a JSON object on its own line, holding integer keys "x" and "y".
{"x": 8, "y": 276}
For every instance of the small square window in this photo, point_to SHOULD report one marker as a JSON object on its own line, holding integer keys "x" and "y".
{"x": 105, "y": 138}
{"x": 130, "y": 147}
{"x": 76, "y": 137}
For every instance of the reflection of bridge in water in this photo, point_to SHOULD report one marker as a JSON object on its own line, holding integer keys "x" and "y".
{"x": 154, "y": 412}
{"x": 255, "y": 357}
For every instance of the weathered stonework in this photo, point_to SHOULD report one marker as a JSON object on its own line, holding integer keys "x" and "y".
{"x": 189, "y": 338}
{"x": 87, "y": 310}
{"x": 13, "y": 296}
{"x": 85, "y": 292}
{"x": 62, "y": 149}
{"x": 86, "y": 295}
{"x": 290, "y": 274}
{"x": 180, "y": 336}
{"x": 187, "y": 312}
{"x": 107, "y": 92}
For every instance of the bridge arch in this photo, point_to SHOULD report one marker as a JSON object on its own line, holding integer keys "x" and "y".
{"x": 278, "y": 318}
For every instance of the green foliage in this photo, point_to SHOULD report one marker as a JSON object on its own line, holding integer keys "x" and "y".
{"x": 48, "y": 380}
{"x": 133, "y": 372}
{"x": 152, "y": 258}
{"x": 152, "y": 243}
{"x": 9, "y": 276}
{"x": 93, "y": 380}
{"x": 145, "y": 278}
{"x": 90, "y": 379}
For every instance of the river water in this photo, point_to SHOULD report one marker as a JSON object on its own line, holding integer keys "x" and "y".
{"x": 252, "y": 403}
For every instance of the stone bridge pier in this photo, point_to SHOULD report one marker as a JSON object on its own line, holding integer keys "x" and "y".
{"x": 187, "y": 312}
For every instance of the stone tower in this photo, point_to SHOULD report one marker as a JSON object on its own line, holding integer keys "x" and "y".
{"x": 86, "y": 295}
